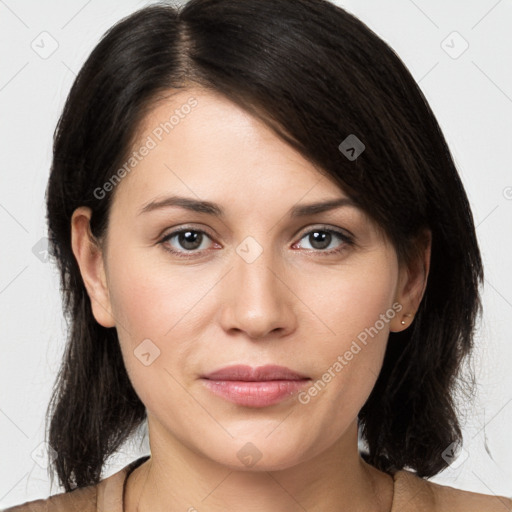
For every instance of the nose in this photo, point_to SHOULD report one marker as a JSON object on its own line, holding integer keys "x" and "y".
{"x": 258, "y": 298}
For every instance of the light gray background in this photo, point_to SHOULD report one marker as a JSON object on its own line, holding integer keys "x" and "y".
{"x": 471, "y": 95}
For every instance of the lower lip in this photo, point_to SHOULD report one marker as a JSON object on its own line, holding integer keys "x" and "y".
{"x": 255, "y": 393}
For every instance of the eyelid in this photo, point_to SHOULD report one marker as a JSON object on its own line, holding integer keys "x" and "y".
{"x": 184, "y": 227}
{"x": 326, "y": 227}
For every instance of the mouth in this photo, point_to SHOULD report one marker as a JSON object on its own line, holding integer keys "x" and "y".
{"x": 255, "y": 386}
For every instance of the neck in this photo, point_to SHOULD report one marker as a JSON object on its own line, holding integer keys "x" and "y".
{"x": 175, "y": 478}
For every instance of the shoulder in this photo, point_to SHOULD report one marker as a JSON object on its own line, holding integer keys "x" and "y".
{"x": 413, "y": 493}
{"x": 106, "y": 495}
{"x": 82, "y": 499}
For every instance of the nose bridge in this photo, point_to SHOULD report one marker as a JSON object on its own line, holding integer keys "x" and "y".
{"x": 258, "y": 301}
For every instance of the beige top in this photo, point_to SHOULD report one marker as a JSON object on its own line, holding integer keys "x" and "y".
{"x": 411, "y": 494}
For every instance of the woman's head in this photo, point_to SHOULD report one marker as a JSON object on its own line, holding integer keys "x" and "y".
{"x": 245, "y": 105}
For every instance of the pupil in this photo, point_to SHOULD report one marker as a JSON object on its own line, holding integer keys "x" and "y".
{"x": 320, "y": 237}
{"x": 189, "y": 239}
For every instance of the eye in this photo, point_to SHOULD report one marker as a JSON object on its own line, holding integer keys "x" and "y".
{"x": 188, "y": 241}
{"x": 321, "y": 238}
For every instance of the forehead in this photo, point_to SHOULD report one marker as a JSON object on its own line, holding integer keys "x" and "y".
{"x": 199, "y": 143}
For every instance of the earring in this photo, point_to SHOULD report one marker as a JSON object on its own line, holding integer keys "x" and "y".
{"x": 403, "y": 321}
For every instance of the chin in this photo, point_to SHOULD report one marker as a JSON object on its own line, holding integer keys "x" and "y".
{"x": 259, "y": 455}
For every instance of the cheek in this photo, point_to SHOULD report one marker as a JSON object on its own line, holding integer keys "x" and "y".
{"x": 350, "y": 299}
{"x": 148, "y": 297}
{"x": 154, "y": 310}
{"x": 151, "y": 307}
{"x": 354, "y": 309}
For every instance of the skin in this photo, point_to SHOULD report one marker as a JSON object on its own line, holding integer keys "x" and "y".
{"x": 293, "y": 305}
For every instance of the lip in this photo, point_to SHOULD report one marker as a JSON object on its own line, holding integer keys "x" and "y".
{"x": 259, "y": 386}
{"x": 254, "y": 374}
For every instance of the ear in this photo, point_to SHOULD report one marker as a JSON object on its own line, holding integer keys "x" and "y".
{"x": 89, "y": 256}
{"x": 412, "y": 283}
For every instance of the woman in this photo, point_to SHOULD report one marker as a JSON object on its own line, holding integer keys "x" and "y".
{"x": 266, "y": 251}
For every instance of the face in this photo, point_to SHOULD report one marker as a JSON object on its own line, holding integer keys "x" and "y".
{"x": 253, "y": 281}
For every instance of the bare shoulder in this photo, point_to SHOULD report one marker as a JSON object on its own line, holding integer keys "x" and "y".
{"x": 415, "y": 493}
{"x": 78, "y": 500}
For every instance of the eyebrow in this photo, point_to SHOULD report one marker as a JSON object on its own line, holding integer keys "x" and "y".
{"x": 209, "y": 208}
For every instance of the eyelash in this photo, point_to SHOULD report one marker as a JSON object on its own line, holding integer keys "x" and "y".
{"x": 347, "y": 240}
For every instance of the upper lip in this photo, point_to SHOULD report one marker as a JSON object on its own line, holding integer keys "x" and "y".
{"x": 247, "y": 373}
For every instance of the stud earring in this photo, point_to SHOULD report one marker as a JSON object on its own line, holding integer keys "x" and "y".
{"x": 403, "y": 321}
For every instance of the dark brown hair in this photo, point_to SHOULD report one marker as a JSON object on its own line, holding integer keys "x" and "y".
{"x": 315, "y": 74}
